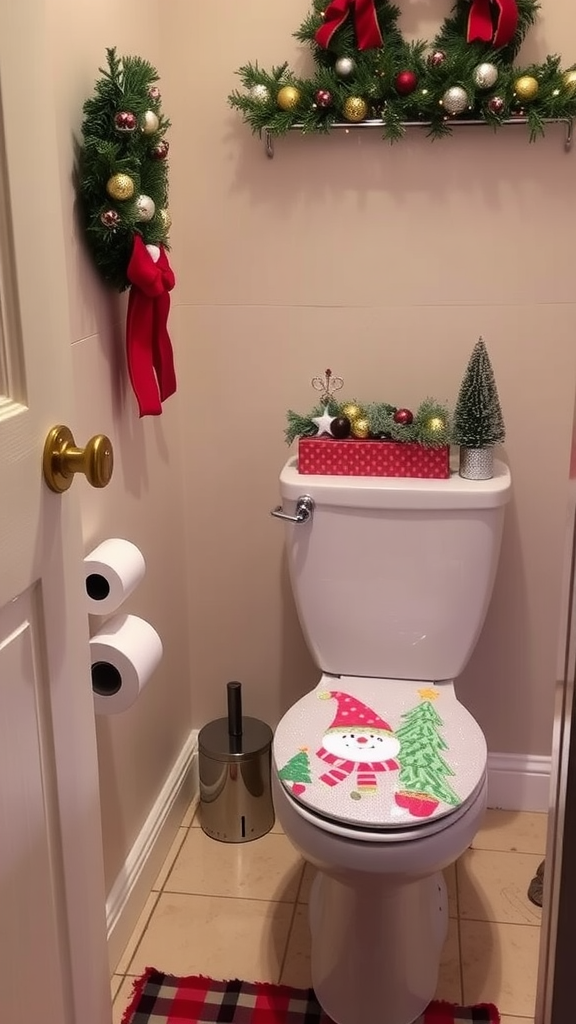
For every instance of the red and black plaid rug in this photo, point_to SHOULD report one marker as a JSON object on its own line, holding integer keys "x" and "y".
{"x": 165, "y": 999}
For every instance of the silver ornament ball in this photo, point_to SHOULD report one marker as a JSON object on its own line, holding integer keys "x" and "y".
{"x": 149, "y": 123}
{"x": 260, "y": 93}
{"x": 344, "y": 67}
{"x": 485, "y": 76}
{"x": 455, "y": 100}
{"x": 145, "y": 207}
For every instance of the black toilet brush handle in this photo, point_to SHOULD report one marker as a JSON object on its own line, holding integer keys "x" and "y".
{"x": 234, "y": 691}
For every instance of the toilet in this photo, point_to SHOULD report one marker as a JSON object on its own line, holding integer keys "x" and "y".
{"x": 379, "y": 773}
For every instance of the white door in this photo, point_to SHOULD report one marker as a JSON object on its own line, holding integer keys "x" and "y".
{"x": 52, "y": 918}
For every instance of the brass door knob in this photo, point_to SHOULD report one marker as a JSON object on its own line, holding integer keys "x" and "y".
{"x": 62, "y": 459}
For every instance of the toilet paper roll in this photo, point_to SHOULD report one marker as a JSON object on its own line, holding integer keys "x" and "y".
{"x": 112, "y": 571}
{"x": 124, "y": 655}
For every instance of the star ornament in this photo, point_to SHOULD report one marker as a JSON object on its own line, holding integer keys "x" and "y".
{"x": 429, "y": 694}
{"x": 324, "y": 422}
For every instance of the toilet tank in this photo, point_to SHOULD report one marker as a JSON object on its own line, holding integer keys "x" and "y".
{"x": 392, "y": 577}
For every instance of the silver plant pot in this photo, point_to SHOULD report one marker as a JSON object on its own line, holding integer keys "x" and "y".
{"x": 477, "y": 463}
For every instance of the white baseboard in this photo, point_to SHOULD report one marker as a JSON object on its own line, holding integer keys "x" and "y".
{"x": 132, "y": 886}
{"x": 519, "y": 782}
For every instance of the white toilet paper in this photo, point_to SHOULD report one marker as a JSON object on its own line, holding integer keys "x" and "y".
{"x": 124, "y": 655}
{"x": 112, "y": 571}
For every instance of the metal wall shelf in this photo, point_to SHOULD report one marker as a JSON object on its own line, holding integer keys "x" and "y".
{"x": 349, "y": 127}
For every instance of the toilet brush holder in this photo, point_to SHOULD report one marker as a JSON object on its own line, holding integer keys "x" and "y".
{"x": 234, "y": 760}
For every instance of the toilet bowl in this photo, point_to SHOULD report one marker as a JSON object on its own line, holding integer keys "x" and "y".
{"x": 379, "y": 773}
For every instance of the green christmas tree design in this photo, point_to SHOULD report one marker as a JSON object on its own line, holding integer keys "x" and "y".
{"x": 478, "y": 421}
{"x": 423, "y": 771}
{"x": 297, "y": 771}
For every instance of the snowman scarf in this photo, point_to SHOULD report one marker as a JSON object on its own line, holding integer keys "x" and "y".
{"x": 366, "y": 771}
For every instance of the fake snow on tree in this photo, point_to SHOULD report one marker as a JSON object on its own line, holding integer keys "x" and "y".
{"x": 297, "y": 771}
{"x": 478, "y": 422}
{"x": 423, "y": 771}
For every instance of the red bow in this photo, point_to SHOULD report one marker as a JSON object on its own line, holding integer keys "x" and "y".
{"x": 481, "y": 25}
{"x": 368, "y": 34}
{"x": 148, "y": 346}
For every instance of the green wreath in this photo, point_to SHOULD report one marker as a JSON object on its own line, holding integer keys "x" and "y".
{"x": 123, "y": 167}
{"x": 366, "y": 70}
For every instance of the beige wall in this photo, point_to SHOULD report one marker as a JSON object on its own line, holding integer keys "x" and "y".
{"x": 144, "y": 500}
{"x": 384, "y": 264}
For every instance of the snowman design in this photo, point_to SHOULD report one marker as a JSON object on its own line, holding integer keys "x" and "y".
{"x": 358, "y": 742}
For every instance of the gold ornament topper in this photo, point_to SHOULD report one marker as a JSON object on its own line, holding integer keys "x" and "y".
{"x": 327, "y": 384}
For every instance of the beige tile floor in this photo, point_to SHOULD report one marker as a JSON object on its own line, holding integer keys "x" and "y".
{"x": 239, "y": 910}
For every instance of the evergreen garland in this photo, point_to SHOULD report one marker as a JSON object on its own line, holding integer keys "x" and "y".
{"x": 374, "y": 79}
{"x": 429, "y": 427}
{"x": 133, "y": 146}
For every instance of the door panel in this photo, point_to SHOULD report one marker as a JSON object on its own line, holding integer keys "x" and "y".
{"x": 29, "y": 857}
{"x": 52, "y": 903}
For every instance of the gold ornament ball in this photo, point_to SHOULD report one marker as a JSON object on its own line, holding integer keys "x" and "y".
{"x": 360, "y": 428}
{"x": 150, "y": 123}
{"x": 435, "y": 424}
{"x": 569, "y": 80}
{"x": 288, "y": 97}
{"x": 352, "y": 411}
{"x": 165, "y": 219}
{"x": 120, "y": 186}
{"x": 526, "y": 88}
{"x": 355, "y": 109}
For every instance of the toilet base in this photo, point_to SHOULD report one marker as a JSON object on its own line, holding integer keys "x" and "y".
{"x": 376, "y": 952}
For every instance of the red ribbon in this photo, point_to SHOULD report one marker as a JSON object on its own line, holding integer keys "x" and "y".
{"x": 148, "y": 345}
{"x": 481, "y": 24}
{"x": 368, "y": 34}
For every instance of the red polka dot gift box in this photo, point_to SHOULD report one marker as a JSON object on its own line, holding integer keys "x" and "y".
{"x": 325, "y": 456}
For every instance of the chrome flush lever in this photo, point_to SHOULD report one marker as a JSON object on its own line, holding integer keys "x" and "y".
{"x": 304, "y": 509}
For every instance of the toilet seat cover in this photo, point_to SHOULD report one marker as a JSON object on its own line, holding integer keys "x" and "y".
{"x": 380, "y": 753}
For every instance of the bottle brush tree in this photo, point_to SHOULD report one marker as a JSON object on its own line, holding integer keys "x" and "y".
{"x": 478, "y": 421}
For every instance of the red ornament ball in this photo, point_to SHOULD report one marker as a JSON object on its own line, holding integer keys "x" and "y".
{"x": 160, "y": 152}
{"x": 125, "y": 121}
{"x": 110, "y": 219}
{"x": 436, "y": 59}
{"x": 323, "y": 98}
{"x": 495, "y": 104}
{"x": 405, "y": 82}
{"x": 403, "y": 416}
{"x": 340, "y": 427}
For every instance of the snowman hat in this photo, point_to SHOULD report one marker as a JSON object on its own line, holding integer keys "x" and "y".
{"x": 353, "y": 714}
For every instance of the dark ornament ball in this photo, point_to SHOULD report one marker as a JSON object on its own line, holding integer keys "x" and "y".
{"x": 340, "y": 427}
{"x": 436, "y": 59}
{"x": 160, "y": 152}
{"x": 403, "y": 416}
{"x": 323, "y": 98}
{"x": 495, "y": 104}
{"x": 405, "y": 82}
{"x": 125, "y": 121}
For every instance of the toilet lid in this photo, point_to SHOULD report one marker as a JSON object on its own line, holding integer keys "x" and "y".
{"x": 380, "y": 753}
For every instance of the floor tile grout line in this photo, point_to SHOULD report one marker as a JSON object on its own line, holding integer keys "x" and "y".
{"x": 290, "y": 929}
{"x": 492, "y": 920}
{"x": 226, "y": 896}
{"x": 459, "y": 933}
{"x": 171, "y": 868}
{"x": 142, "y": 933}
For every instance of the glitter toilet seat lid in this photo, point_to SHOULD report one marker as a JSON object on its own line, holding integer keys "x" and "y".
{"x": 380, "y": 753}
